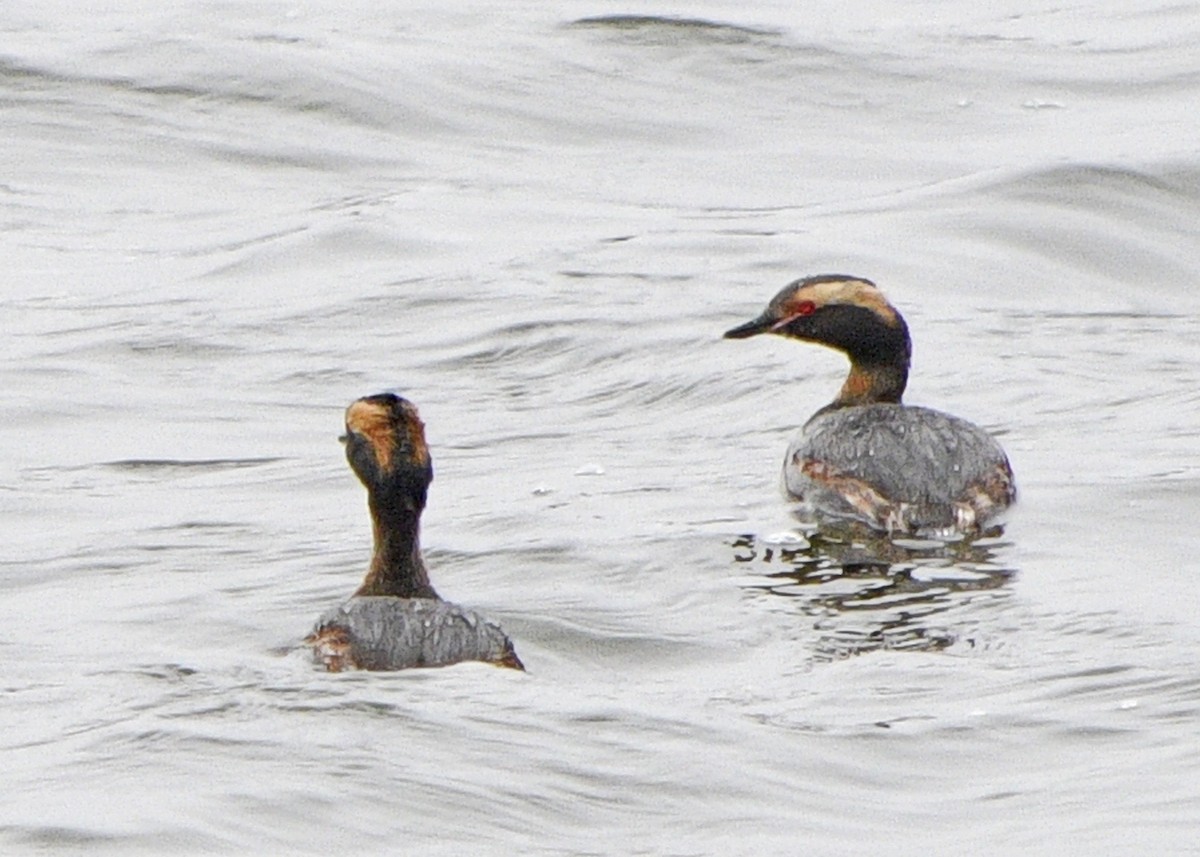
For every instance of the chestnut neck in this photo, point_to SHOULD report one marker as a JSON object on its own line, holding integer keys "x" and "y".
{"x": 872, "y": 383}
{"x": 397, "y": 568}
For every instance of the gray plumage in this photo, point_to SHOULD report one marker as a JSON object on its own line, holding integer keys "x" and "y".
{"x": 388, "y": 633}
{"x": 898, "y": 467}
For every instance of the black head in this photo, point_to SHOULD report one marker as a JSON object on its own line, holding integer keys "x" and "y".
{"x": 843, "y": 312}
{"x": 385, "y": 445}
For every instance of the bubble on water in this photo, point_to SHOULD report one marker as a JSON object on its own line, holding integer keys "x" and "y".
{"x": 788, "y": 538}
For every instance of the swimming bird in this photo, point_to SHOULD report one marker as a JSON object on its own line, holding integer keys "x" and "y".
{"x": 396, "y": 619}
{"x": 866, "y": 455}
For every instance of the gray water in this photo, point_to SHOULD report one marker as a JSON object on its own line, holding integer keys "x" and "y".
{"x": 223, "y": 223}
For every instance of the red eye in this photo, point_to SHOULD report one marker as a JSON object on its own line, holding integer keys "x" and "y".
{"x": 805, "y": 308}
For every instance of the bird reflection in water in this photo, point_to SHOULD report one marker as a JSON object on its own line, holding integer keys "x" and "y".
{"x": 868, "y": 592}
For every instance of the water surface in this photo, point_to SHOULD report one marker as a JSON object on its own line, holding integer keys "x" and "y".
{"x": 222, "y": 224}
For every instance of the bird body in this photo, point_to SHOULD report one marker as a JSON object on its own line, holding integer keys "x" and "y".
{"x": 899, "y": 468}
{"x": 382, "y": 632}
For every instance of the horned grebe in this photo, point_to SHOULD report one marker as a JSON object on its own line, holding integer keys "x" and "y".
{"x": 396, "y": 620}
{"x": 865, "y": 455}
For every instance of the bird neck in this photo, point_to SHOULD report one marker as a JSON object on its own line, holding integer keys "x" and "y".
{"x": 397, "y": 568}
{"x": 871, "y": 383}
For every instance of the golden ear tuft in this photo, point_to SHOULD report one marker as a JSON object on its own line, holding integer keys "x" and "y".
{"x": 847, "y": 291}
{"x": 416, "y": 433}
{"x": 374, "y": 422}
